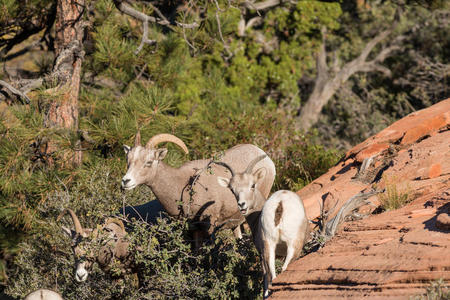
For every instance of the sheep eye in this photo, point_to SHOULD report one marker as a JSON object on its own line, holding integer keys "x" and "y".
{"x": 148, "y": 163}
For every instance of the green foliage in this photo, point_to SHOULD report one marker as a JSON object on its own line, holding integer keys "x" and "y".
{"x": 301, "y": 163}
{"x": 223, "y": 268}
{"x": 167, "y": 266}
{"x": 370, "y": 102}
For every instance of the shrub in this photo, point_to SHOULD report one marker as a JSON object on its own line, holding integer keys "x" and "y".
{"x": 167, "y": 266}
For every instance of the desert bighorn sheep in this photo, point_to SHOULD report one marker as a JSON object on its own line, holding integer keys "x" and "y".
{"x": 115, "y": 245}
{"x": 279, "y": 225}
{"x": 190, "y": 189}
{"x": 43, "y": 294}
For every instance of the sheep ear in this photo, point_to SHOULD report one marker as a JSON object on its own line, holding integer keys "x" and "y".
{"x": 67, "y": 231}
{"x": 259, "y": 174}
{"x": 160, "y": 153}
{"x": 223, "y": 181}
{"x": 126, "y": 149}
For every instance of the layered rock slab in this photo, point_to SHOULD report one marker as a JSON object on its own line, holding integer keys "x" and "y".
{"x": 394, "y": 254}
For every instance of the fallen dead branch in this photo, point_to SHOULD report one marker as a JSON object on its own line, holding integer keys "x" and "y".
{"x": 327, "y": 228}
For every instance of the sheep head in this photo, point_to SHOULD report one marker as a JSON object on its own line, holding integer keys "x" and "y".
{"x": 243, "y": 185}
{"x": 142, "y": 162}
{"x": 80, "y": 248}
{"x": 84, "y": 247}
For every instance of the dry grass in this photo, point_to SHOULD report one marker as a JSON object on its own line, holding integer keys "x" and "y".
{"x": 437, "y": 290}
{"x": 394, "y": 197}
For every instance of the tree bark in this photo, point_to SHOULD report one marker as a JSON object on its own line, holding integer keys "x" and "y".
{"x": 60, "y": 109}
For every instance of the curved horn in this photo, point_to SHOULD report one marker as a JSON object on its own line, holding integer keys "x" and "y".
{"x": 165, "y": 137}
{"x": 137, "y": 139}
{"x": 224, "y": 165}
{"x": 76, "y": 221}
{"x": 117, "y": 222}
{"x": 253, "y": 163}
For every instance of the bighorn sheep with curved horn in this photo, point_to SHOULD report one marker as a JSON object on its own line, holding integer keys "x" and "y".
{"x": 202, "y": 198}
{"x": 279, "y": 225}
{"x": 115, "y": 247}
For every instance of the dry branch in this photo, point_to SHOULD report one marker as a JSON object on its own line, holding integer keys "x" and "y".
{"x": 261, "y": 5}
{"x": 243, "y": 27}
{"x": 327, "y": 228}
{"x": 128, "y": 10}
{"x": 219, "y": 27}
{"x": 326, "y": 85}
{"x": 21, "y": 95}
{"x": 346, "y": 210}
{"x": 145, "y": 19}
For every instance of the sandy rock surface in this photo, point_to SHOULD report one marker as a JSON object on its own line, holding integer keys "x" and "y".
{"x": 388, "y": 255}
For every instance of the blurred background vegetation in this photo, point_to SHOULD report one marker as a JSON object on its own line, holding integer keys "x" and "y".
{"x": 215, "y": 74}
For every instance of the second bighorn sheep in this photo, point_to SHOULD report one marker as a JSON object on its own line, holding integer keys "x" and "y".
{"x": 279, "y": 225}
{"x": 190, "y": 189}
{"x": 115, "y": 246}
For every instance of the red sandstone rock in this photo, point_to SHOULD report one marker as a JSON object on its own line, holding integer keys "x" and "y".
{"x": 371, "y": 151}
{"x": 422, "y": 212}
{"x": 394, "y": 254}
{"x": 435, "y": 171}
{"x": 411, "y": 128}
{"x": 443, "y": 221}
{"x": 428, "y": 126}
{"x": 405, "y": 165}
{"x": 386, "y": 256}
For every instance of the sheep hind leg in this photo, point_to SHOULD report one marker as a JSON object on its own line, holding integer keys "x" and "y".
{"x": 289, "y": 255}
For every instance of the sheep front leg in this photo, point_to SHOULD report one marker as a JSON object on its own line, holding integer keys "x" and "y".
{"x": 198, "y": 236}
{"x": 269, "y": 265}
{"x": 266, "y": 278}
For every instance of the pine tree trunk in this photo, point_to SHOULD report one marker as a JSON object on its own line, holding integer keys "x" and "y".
{"x": 60, "y": 109}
